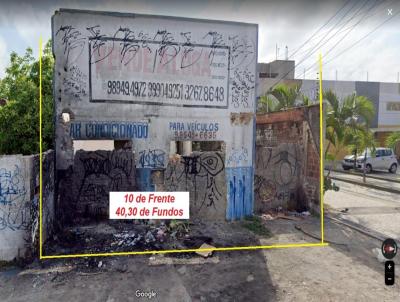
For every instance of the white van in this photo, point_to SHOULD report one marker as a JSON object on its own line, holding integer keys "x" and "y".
{"x": 383, "y": 159}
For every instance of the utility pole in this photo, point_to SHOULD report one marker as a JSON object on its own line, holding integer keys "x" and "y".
{"x": 398, "y": 77}
{"x": 367, "y": 75}
{"x": 276, "y": 51}
{"x": 336, "y": 75}
{"x": 304, "y": 74}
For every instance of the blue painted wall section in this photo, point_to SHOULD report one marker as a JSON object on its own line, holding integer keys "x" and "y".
{"x": 143, "y": 180}
{"x": 240, "y": 192}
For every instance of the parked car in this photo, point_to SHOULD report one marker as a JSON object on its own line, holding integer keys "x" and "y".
{"x": 382, "y": 159}
{"x": 348, "y": 162}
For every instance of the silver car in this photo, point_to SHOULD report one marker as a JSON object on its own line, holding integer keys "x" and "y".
{"x": 381, "y": 159}
{"x": 348, "y": 162}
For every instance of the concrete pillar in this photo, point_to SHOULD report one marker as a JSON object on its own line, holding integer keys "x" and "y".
{"x": 186, "y": 148}
{"x": 173, "y": 147}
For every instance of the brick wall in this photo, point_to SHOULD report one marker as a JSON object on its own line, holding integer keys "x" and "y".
{"x": 287, "y": 160}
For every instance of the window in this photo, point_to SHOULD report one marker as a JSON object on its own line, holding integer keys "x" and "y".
{"x": 393, "y": 106}
{"x": 93, "y": 145}
{"x": 187, "y": 147}
{"x": 388, "y": 152}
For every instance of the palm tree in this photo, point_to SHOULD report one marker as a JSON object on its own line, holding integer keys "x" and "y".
{"x": 392, "y": 140}
{"x": 363, "y": 139}
{"x": 346, "y": 119}
{"x": 282, "y": 97}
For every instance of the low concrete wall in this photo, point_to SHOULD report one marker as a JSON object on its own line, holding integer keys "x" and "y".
{"x": 287, "y": 160}
{"x": 19, "y": 203}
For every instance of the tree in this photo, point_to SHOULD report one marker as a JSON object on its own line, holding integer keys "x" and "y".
{"x": 347, "y": 120}
{"x": 282, "y": 97}
{"x": 363, "y": 140}
{"x": 392, "y": 140}
{"x": 19, "y": 118}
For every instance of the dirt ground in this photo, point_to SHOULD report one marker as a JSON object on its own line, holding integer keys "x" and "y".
{"x": 345, "y": 270}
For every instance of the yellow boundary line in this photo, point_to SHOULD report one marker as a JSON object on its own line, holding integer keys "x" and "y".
{"x": 321, "y": 147}
{"x": 238, "y": 248}
{"x": 40, "y": 150}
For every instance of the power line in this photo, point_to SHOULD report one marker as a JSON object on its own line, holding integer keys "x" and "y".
{"x": 347, "y": 33}
{"x": 362, "y": 38}
{"x": 312, "y": 50}
{"x": 363, "y": 20}
{"x": 319, "y": 29}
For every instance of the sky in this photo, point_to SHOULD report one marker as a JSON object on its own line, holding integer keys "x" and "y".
{"x": 355, "y": 37}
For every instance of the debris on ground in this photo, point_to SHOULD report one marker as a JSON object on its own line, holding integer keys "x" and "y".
{"x": 267, "y": 217}
{"x": 54, "y": 269}
{"x": 250, "y": 278}
{"x": 279, "y": 213}
{"x": 163, "y": 260}
{"x": 205, "y": 254}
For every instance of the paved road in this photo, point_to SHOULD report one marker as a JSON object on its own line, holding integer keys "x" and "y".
{"x": 376, "y": 210}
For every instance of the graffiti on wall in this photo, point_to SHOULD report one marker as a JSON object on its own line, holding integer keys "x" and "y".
{"x": 151, "y": 158}
{"x": 12, "y": 187}
{"x": 48, "y": 208}
{"x": 198, "y": 174}
{"x": 277, "y": 173}
{"x": 75, "y": 83}
{"x": 240, "y": 192}
{"x": 238, "y": 157}
{"x": 14, "y": 210}
{"x": 96, "y": 174}
{"x": 224, "y": 57}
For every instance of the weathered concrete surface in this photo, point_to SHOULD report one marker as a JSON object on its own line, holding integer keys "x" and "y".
{"x": 15, "y": 205}
{"x": 19, "y": 204}
{"x": 162, "y": 70}
{"x": 287, "y": 159}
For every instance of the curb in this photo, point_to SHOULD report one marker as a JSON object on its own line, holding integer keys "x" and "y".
{"x": 360, "y": 174}
{"x": 381, "y": 188}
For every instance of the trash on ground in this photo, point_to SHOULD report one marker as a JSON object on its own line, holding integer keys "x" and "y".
{"x": 205, "y": 254}
{"x": 161, "y": 260}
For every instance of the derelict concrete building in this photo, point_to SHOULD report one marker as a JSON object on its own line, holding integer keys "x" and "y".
{"x": 146, "y": 81}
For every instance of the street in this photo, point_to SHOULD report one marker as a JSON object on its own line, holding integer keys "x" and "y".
{"x": 375, "y": 210}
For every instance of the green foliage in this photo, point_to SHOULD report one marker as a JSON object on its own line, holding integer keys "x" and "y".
{"x": 282, "y": 97}
{"x": 256, "y": 225}
{"x": 393, "y": 139}
{"x": 19, "y": 118}
{"x": 347, "y": 122}
{"x": 361, "y": 140}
